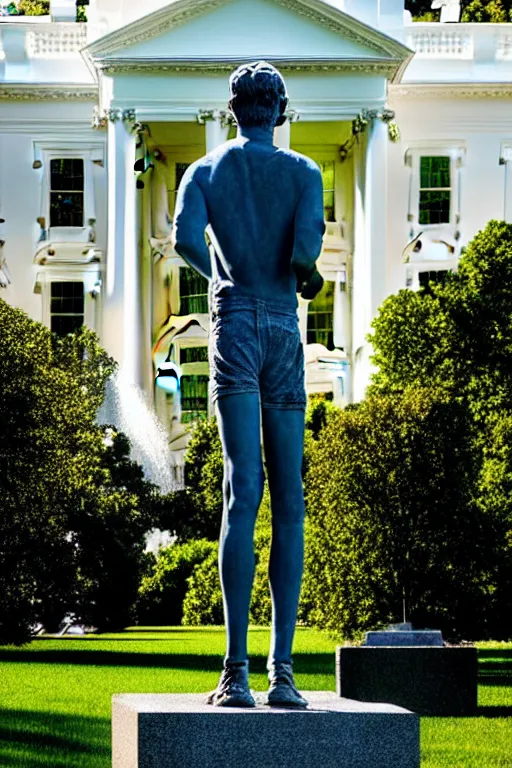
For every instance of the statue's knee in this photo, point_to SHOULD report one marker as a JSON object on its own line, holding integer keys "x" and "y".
{"x": 245, "y": 494}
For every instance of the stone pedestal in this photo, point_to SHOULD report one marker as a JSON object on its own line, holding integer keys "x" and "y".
{"x": 181, "y": 731}
{"x": 428, "y": 680}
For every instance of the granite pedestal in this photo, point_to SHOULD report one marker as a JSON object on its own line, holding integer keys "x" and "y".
{"x": 181, "y": 731}
{"x": 428, "y": 680}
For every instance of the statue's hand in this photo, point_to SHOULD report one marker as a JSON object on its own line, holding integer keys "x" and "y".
{"x": 309, "y": 288}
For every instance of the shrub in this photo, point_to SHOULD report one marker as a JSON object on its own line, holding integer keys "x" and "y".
{"x": 163, "y": 590}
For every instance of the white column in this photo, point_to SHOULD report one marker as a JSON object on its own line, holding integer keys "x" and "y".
{"x": 506, "y": 160}
{"x": 376, "y": 193}
{"x": 216, "y": 131}
{"x": 121, "y": 318}
{"x": 370, "y": 246}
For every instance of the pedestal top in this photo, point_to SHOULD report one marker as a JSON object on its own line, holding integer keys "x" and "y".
{"x": 319, "y": 701}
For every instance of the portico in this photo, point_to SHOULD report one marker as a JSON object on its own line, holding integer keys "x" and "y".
{"x": 163, "y": 98}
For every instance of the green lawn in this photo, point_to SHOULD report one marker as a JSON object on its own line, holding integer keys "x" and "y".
{"x": 55, "y": 695}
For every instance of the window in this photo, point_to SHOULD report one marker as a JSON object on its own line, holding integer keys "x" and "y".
{"x": 193, "y": 292}
{"x": 327, "y": 169}
{"x": 67, "y": 187}
{"x": 66, "y": 307}
{"x": 426, "y": 279}
{"x": 179, "y": 172}
{"x": 194, "y": 398}
{"x": 435, "y": 189}
{"x": 193, "y": 355}
{"x": 320, "y": 317}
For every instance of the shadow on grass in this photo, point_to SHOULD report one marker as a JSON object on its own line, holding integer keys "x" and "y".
{"x": 47, "y": 739}
{"x": 304, "y": 663}
{"x": 494, "y": 712}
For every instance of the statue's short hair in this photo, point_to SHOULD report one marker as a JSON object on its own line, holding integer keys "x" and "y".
{"x": 258, "y": 95}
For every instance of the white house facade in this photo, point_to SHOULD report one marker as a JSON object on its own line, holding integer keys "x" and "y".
{"x": 99, "y": 120}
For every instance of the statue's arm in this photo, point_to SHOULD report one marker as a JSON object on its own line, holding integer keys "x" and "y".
{"x": 309, "y": 231}
{"x": 190, "y": 222}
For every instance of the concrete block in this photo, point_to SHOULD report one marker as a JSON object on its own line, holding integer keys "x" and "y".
{"x": 181, "y": 731}
{"x": 427, "y": 680}
{"x": 405, "y": 637}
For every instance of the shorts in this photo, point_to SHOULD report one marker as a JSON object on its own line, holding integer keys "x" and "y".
{"x": 255, "y": 346}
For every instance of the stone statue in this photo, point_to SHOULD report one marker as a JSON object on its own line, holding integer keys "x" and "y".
{"x": 263, "y": 209}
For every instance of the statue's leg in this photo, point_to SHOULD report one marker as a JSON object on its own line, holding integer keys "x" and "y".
{"x": 283, "y": 433}
{"x": 239, "y": 426}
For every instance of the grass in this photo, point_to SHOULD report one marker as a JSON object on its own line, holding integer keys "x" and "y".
{"x": 55, "y": 694}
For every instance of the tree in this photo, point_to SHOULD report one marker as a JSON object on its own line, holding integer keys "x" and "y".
{"x": 390, "y": 517}
{"x": 496, "y": 11}
{"x": 74, "y": 507}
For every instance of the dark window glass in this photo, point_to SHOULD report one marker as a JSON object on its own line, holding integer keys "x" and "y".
{"x": 194, "y": 398}
{"x": 320, "y": 317}
{"x": 194, "y": 355}
{"x": 193, "y": 292}
{"x": 427, "y": 279}
{"x": 67, "y": 193}
{"x": 66, "y": 307}
{"x": 435, "y": 190}
{"x": 180, "y": 172}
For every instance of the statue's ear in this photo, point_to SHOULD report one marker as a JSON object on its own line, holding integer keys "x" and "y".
{"x": 283, "y": 106}
{"x": 230, "y": 106}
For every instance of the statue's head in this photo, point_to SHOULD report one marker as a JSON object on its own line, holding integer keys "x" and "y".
{"x": 258, "y": 95}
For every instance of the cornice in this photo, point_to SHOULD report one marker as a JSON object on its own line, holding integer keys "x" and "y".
{"x": 451, "y": 91}
{"x": 384, "y": 67}
{"x": 184, "y": 11}
{"x": 47, "y": 92}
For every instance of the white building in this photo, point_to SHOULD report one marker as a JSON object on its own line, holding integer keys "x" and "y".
{"x": 84, "y": 239}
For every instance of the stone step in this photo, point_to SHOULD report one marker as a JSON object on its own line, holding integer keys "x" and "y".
{"x": 182, "y": 731}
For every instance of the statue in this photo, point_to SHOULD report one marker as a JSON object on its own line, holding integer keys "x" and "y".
{"x": 263, "y": 209}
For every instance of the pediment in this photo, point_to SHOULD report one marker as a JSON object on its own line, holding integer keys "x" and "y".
{"x": 203, "y": 33}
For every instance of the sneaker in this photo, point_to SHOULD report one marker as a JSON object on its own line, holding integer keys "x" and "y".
{"x": 282, "y": 691}
{"x": 233, "y": 688}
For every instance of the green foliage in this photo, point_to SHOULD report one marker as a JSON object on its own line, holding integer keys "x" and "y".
{"x": 74, "y": 507}
{"x": 163, "y": 590}
{"x": 203, "y": 601}
{"x": 480, "y": 11}
{"x": 457, "y": 337}
{"x": 496, "y": 11}
{"x": 390, "y": 516}
{"x": 33, "y": 7}
{"x": 196, "y": 512}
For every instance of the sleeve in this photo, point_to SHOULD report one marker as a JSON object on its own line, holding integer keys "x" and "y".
{"x": 309, "y": 226}
{"x": 190, "y": 222}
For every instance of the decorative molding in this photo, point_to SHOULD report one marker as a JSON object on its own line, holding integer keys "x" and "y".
{"x": 389, "y": 51}
{"x": 49, "y": 92}
{"x": 383, "y": 67}
{"x": 225, "y": 117}
{"x": 451, "y": 91}
{"x": 101, "y": 119}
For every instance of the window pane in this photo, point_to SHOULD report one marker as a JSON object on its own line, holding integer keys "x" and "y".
{"x": 329, "y": 214}
{"x": 426, "y": 279}
{"x": 66, "y": 307}
{"x": 194, "y": 398}
{"x": 320, "y": 317}
{"x": 434, "y": 172}
{"x": 66, "y": 209}
{"x": 327, "y": 169}
{"x": 434, "y": 207}
{"x": 193, "y": 292}
{"x": 180, "y": 172}
{"x": 67, "y": 174}
{"x": 194, "y": 355}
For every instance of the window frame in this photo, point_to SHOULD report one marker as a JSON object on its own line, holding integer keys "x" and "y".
{"x": 456, "y": 152}
{"x": 66, "y": 314}
{"x": 92, "y": 154}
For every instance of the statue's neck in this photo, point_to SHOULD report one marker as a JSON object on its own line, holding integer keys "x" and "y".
{"x": 257, "y": 133}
